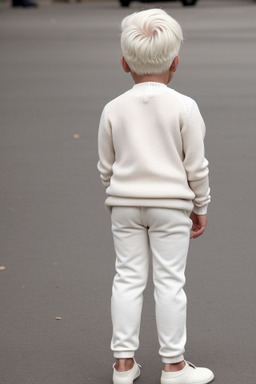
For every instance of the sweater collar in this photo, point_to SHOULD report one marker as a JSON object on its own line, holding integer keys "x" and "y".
{"x": 149, "y": 84}
{"x": 148, "y": 90}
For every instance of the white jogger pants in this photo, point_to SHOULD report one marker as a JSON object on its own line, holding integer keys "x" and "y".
{"x": 166, "y": 232}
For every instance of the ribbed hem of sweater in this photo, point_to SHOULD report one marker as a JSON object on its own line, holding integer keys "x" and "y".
{"x": 184, "y": 205}
{"x": 114, "y": 201}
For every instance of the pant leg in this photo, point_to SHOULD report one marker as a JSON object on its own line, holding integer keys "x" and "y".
{"x": 132, "y": 262}
{"x": 169, "y": 235}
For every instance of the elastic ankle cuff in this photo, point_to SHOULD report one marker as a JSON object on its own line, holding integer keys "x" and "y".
{"x": 172, "y": 360}
{"x": 124, "y": 354}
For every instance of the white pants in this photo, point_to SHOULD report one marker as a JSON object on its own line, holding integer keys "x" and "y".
{"x": 166, "y": 232}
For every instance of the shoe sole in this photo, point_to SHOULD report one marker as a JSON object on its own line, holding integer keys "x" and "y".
{"x": 125, "y": 380}
{"x": 166, "y": 381}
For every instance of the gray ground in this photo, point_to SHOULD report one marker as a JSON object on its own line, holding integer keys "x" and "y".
{"x": 59, "y": 66}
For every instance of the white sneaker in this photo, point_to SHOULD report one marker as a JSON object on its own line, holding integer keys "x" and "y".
{"x": 188, "y": 375}
{"x": 126, "y": 377}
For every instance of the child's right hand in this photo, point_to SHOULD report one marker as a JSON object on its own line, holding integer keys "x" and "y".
{"x": 199, "y": 225}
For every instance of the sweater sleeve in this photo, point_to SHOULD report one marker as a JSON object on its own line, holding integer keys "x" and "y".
{"x": 105, "y": 150}
{"x": 195, "y": 163}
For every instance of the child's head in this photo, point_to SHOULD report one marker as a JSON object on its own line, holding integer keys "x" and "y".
{"x": 150, "y": 41}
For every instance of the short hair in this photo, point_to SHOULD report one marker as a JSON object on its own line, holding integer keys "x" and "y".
{"x": 150, "y": 41}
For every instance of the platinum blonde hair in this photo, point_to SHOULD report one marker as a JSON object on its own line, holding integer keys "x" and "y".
{"x": 150, "y": 41}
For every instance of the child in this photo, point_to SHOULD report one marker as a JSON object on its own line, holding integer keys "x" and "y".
{"x": 151, "y": 160}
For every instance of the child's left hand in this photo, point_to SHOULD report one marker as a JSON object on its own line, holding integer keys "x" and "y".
{"x": 199, "y": 225}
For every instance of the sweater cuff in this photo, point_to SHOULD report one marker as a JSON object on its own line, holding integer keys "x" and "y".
{"x": 105, "y": 183}
{"x": 200, "y": 210}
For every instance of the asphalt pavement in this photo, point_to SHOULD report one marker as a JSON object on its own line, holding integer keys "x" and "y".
{"x": 59, "y": 66}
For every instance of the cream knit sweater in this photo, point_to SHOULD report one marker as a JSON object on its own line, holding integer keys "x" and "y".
{"x": 151, "y": 150}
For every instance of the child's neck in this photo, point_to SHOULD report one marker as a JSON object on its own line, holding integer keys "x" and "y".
{"x": 163, "y": 78}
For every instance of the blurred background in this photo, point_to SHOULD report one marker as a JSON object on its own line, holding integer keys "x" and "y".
{"x": 123, "y": 3}
{"x": 59, "y": 66}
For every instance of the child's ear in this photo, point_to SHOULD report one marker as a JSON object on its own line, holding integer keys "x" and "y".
{"x": 125, "y": 65}
{"x": 175, "y": 64}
